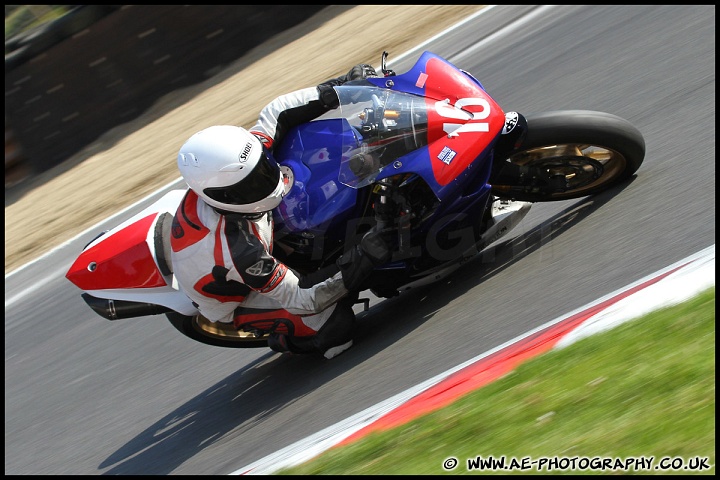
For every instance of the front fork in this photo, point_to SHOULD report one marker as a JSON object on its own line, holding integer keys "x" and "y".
{"x": 511, "y": 139}
{"x": 392, "y": 211}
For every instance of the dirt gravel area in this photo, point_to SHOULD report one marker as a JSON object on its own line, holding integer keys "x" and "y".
{"x": 137, "y": 158}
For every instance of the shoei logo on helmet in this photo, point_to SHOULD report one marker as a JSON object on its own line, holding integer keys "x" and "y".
{"x": 244, "y": 154}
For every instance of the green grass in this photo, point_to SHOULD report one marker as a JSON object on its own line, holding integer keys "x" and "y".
{"x": 643, "y": 389}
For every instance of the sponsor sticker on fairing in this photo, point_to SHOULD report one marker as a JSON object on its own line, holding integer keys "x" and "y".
{"x": 422, "y": 78}
{"x": 511, "y": 120}
{"x": 446, "y": 155}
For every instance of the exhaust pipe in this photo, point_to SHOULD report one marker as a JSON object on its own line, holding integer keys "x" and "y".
{"x": 117, "y": 309}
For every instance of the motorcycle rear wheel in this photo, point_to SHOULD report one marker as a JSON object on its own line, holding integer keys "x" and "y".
{"x": 224, "y": 335}
{"x": 591, "y": 151}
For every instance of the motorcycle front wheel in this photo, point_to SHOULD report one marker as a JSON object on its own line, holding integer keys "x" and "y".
{"x": 587, "y": 151}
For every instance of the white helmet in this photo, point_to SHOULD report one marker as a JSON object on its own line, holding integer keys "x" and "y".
{"x": 230, "y": 169}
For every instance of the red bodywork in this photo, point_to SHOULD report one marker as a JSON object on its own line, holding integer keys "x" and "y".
{"x": 124, "y": 264}
{"x": 452, "y": 133}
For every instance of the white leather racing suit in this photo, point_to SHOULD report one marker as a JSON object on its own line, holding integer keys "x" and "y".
{"x": 286, "y": 111}
{"x": 224, "y": 263}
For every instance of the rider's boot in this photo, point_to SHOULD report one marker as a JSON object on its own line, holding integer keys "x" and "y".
{"x": 281, "y": 343}
{"x": 333, "y": 338}
{"x": 333, "y": 352}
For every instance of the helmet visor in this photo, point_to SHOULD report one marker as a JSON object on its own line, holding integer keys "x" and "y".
{"x": 257, "y": 185}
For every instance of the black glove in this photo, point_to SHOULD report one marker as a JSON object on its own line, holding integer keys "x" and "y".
{"x": 359, "y": 262}
{"x": 328, "y": 95}
{"x": 360, "y": 72}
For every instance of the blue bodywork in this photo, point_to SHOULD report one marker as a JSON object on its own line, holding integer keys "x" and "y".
{"x": 321, "y": 207}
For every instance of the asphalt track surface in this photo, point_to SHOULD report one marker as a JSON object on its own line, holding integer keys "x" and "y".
{"x": 86, "y": 396}
{"x": 670, "y": 286}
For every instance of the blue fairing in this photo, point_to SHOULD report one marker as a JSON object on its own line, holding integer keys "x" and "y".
{"x": 384, "y": 125}
{"x": 314, "y": 151}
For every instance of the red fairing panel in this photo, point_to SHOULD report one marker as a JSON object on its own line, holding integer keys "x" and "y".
{"x": 122, "y": 260}
{"x": 457, "y": 137}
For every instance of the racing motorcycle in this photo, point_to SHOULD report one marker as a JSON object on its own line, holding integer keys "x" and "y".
{"x": 430, "y": 146}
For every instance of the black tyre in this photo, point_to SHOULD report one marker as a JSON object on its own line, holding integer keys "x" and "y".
{"x": 204, "y": 331}
{"x": 591, "y": 151}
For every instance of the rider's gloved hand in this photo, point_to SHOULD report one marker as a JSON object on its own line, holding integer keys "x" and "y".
{"x": 328, "y": 96}
{"x": 360, "y": 71}
{"x": 357, "y": 263}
